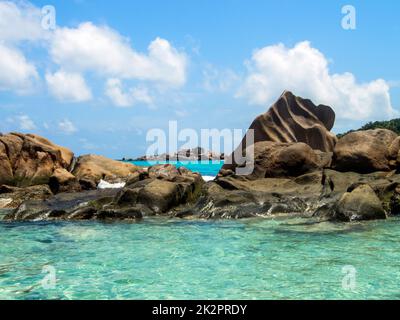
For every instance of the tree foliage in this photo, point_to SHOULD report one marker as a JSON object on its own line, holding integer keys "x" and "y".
{"x": 393, "y": 125}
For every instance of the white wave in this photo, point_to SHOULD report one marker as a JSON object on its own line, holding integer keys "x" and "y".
{"x": 106, "y": 185}
{"x": 208, "y": 178}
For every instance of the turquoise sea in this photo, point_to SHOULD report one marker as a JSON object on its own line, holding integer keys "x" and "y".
{"x": 206, "y": 168}
{"x": 160, "y": 258}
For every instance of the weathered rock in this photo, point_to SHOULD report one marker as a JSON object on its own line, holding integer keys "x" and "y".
{"x": 166, "y": 188}
{"x": 394, "y": 204}
{"x": 394, "y": 148}
{"x": 315, "y": 194}
{"x": 13, "y": 197}
{"x": 362, "y": 203}
{"x": 63, "y": 206}
{"x": 294, "y": 158}
{"x": 293, "y": 119}
{"x": 237, "y": 197}
{"x": 365, "y": 151}
{"x": 63, "y": 181}
{"x": 27, "y": 160}
{"x": 158, "y": 193}
{"x": 273, "y": 160}
{"x": 90, "y": 169}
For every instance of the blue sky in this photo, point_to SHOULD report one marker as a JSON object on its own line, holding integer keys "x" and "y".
{"x": 93, "y": 85}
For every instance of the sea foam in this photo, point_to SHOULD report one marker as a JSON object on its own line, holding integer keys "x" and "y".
{"x": 106, "y": 185}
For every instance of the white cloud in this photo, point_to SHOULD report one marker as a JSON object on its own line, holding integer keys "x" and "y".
{"x": 67, "y": 127}
{"x": 20, "y": 21}
{"x": 103, "y": 50}
{"x": 216, "y": 80}
{"x": 68, "y": 86}
{"x": 16, "y": 73}
{"x": 305, "y": 71}
{"x": 26, "y": 123}
{"x": 23, "y": 121}
{"x": 88, "y": 48}
{"x": 114, "y": 90}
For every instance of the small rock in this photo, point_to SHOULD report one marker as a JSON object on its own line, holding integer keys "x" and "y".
{"x": 360, "y": 204}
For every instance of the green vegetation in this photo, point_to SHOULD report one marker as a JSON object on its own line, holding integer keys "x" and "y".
{"x": 393, "y": 125}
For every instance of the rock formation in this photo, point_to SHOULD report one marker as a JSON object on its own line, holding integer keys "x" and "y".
{"x": 165, "y": 188}
{"x": 300, "y": 169}
{"x": 294, "y": 119}
{"x": 27, "y": 160}
{"x": 367, "y": 151}
{"x": 90, "y": 169}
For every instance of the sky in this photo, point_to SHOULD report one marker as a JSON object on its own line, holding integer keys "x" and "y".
{"x": 107, "y": 72}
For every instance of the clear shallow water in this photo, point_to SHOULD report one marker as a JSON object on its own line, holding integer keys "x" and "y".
{"x": 205, "y": 168}
{"x": 175, "y": 259}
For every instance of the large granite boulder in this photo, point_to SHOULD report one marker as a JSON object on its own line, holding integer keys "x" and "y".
{"x": 27, "y": 159}
{"x": 165, "y": 188}
{"x": 275, "y": 159}
{"x": 293, "y": 119}
{"x": 90, "y": 169}
{"x": 366, "y": 151}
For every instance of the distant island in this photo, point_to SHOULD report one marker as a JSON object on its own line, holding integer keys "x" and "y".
{"x": 195, "y": 154}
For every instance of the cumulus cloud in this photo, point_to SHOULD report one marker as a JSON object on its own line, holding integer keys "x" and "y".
{"x": 67, "y": 86}
{"x": 305, "y": 71}
{"x": 67, "y": 127}
{"x": 20, "y": 21}
{"x": 114, "y": 90}
{"x": 16, "y": 73}
{"x": 102, "y": 50}
{"x": 87, "y": 48}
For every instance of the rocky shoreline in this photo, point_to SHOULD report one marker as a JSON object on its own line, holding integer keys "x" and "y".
{"x": 300, "y": 169}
